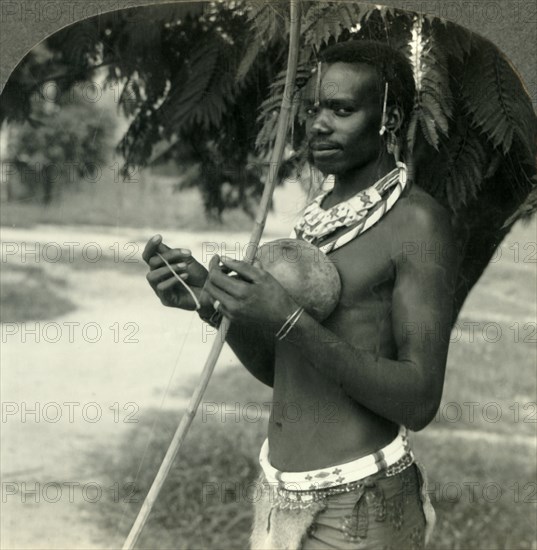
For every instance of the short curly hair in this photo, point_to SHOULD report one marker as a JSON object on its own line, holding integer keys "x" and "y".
{"x": 391, "y": 65}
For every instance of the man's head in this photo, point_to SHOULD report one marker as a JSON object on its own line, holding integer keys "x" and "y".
{"x": 343, "y": 129}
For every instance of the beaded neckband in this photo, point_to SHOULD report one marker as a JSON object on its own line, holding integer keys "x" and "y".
{"x": 362, "y": 210}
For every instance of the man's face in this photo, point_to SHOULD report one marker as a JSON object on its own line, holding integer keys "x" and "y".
{"x": 343, "y": 131}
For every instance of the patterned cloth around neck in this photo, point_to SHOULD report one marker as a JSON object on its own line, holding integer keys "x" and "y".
{"x": 317, "y": 222}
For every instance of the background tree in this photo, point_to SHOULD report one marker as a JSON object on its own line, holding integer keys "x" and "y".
{"x": 61, "y": 144}
{"x": 207, "y": 79}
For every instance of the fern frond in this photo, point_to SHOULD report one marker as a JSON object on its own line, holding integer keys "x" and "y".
{"x": 270, "y": 106}
{"x": 209, "y": 112}
{"x": 456, "y": 173}
{"x": 418, "y": 46}
{"x": 268, "y": 21}
{"x": 428, "y": 128}
{"x": 322, "y": 31}
{"x": 433, "y": 100}
{"x": 465, "y": 167}
{"x": 384, "y": 12}
{"x": 329, "y": 20}
{"x": 252, "y": 51}
{"x": 267, "y": 134}
{"x": 350, "y": 16}
{"x": 274, "y": 99}
{"x": 263, "y": 29}
{"x": 137, "y": 143}
{"x": 190, "y": 85}
{"x": 311, "y": 15}
{"x": 454, "y": 40}
{"x": 497, "y": 102}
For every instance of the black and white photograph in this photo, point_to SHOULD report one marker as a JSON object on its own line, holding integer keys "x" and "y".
{"x": 268, "y": 275}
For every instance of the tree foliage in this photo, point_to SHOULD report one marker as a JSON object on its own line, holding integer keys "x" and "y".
{"x": 208, "y": 78}
{"x": 62, "y": 144}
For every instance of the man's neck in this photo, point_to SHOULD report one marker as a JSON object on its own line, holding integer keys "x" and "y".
{"x": 348, "y": 184}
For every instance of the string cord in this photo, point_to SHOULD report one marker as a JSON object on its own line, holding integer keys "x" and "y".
{"x": 154, "y": 424}
{"x": 172, "y": 375}
{"x": 189, "y": 290}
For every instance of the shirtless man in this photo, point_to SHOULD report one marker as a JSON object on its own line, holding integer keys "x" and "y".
{"x": 377, "y": 363}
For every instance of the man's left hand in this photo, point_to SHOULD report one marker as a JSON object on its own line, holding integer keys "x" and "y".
{"x": 254, "y": 296}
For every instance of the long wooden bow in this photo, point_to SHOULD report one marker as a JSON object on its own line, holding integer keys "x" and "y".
{"x": 259, "y": 225}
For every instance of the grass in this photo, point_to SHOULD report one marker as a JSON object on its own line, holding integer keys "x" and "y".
{"x": 149, "y": 202}
{"x": 28, "y": 293}
{"x": 490, "y": 387}
{"x": 483, "y": 499}
{"x": 205, "y": 502}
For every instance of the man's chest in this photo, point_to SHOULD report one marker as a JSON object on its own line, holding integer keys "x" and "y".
{"x": 365, "y": 267}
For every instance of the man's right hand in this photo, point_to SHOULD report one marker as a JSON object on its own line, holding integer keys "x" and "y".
{"x": 170, "y": 291}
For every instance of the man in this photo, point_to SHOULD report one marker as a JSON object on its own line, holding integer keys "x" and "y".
{"x": 376, "y": 364}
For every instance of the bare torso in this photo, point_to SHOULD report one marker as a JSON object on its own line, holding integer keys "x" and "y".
{"x": 314, "y": 423}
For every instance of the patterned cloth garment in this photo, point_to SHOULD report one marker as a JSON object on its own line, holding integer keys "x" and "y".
{"x": 380, "y": 512}
{"x": 387, "y": 509}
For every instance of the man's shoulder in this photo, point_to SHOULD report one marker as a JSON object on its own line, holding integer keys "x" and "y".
{"x": 419, "y": 214}
{"x": 419, "y": 226}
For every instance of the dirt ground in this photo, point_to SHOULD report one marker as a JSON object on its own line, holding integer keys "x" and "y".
{"x": 86, "y": 393}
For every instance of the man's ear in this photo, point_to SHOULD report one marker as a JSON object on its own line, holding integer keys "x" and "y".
{"x": 394, "y": 118}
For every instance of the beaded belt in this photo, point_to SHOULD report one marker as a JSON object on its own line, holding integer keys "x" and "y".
{"x": 392, "y": 459}
{"x": 286, "y": 499}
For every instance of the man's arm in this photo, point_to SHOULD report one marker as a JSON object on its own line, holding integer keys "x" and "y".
{"x": 251, "y": 342}
{"x": 254, "y": 348}
{"x": 407, "y": 390}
